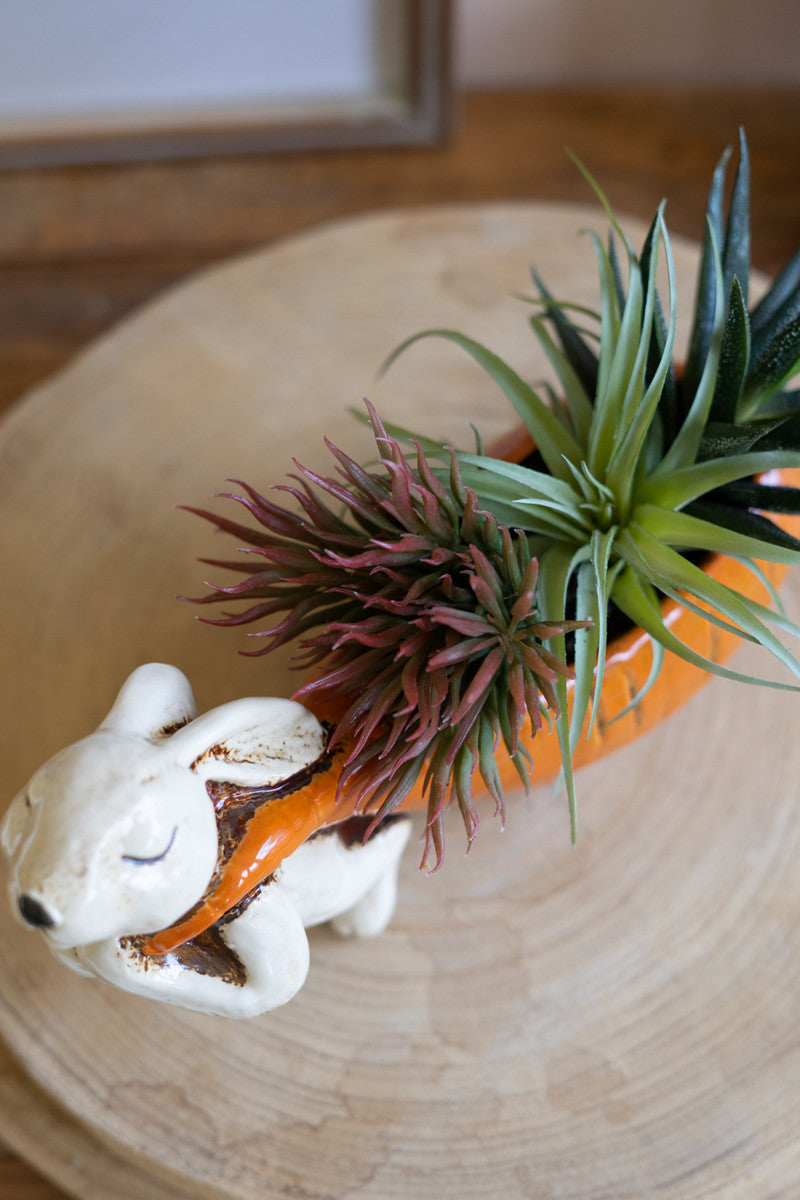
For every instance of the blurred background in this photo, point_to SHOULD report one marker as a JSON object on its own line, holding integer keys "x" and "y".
{"x": 617, "y": 42}
{"x": 140, "y": 142}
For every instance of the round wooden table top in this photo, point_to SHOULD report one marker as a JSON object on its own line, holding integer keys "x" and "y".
{"x": 615, "y": 1020}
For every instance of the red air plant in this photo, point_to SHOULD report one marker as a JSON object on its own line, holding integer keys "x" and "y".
{"x": 417, "y": 621}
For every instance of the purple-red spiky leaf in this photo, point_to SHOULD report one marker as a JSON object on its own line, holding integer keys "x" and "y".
{"x": 417, "y": 611}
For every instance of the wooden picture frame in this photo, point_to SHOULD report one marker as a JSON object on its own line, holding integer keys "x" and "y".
{"x": 412, "y": 106}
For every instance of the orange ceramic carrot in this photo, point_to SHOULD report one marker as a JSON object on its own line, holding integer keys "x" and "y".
{"x": 278, "y": 827}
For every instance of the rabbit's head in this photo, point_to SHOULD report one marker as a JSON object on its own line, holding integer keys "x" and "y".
{"x": 116, "y": 835}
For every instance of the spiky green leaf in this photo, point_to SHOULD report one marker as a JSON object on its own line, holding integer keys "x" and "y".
{"x": 707, "y": 299}
{"x": 734, "y": 358}
{"x": 553, "y": 442}
{"x": 736, "y": 245}
{"x": 638, "y": 600}
{"x": 776, "y": 364}
{"x": 579, "y": 355}
{"x": 721, "y": 438}
{"x": 753, "y": 525}
{"x": 781, "y": 296}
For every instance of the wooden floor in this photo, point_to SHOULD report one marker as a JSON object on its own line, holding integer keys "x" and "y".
{"x": 81, "y": 247}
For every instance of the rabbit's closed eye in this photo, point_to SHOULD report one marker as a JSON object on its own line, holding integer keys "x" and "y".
{"x": 148, "y": 860}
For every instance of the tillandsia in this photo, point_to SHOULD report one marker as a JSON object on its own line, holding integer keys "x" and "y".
{"x": 421, "y": 604}
{"x": 417, "y": 621}
{"x": 639, "y": 465}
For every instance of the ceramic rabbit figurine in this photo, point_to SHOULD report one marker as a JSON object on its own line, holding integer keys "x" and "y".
{"x": 130, "y": 829}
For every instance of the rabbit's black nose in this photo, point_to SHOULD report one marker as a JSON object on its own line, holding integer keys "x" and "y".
{"x": 35, "y": 913}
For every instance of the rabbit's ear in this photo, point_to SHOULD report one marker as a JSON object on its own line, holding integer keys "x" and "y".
{"x": 254, "y": 742}
{"x": 152, "y": 702}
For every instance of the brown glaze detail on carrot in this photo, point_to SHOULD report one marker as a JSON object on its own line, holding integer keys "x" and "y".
{"x": 274, "y": 830}
{"x": 207, "y": 954}
{"x": 236, "y": 806}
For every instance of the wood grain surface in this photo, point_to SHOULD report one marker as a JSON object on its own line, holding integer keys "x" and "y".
{"x": 79, "y": 248}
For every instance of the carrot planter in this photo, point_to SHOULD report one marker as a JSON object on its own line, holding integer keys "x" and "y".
{"x": 430, "y": 600}
{"x": 284, "y": 821}
{"x": 443, "y": 604}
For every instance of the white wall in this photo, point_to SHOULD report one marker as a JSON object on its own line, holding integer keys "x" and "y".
{"x": 65, "y": 57}
{"x": 529, "y": 42}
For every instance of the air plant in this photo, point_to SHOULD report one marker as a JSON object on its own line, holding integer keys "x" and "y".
{"x": 417, "y": 622}
{"x": 425, "y": 605}
{"x": 641, "y": 466}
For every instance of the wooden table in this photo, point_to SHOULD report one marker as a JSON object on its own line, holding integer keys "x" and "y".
{"x": 81, "y": 247}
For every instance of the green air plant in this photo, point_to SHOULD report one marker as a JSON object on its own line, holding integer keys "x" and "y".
{"x": 639, "y": 470}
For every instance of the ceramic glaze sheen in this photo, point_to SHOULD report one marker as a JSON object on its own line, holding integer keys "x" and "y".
{"x": 125, "y": 831}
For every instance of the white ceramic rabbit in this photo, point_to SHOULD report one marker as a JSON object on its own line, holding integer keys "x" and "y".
{"x": 117, "y": 836}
